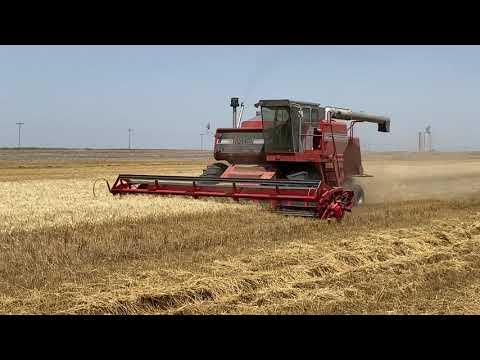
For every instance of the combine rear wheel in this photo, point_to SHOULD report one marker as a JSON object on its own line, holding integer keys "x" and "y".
{"x": 358, "y": 193}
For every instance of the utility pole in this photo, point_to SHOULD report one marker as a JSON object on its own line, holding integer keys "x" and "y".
{"x": 19, "y": 132}
{"x": 207, "y": 133}
{"x": 129, "y": 138}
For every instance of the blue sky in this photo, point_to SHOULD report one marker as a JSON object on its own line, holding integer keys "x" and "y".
{"x": 88, "y": 96}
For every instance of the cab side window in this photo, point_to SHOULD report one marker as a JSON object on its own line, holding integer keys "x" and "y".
{"x": 306, "y": 115}
{"x": 314, "y": 116}
{"x": 306, "y": 130}
{"x": 321, "y": 114}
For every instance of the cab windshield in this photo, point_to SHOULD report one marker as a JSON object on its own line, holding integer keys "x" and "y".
{"x": 278, "y": 129}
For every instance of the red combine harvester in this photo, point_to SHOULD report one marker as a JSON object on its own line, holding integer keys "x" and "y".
{"x": 300, "y": 157}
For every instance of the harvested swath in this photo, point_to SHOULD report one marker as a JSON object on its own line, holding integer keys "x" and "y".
{"x": 393, "y": 272}
{"x": 198, "y": 264}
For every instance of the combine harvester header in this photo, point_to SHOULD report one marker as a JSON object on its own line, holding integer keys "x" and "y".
{"x": 299, "y": 157}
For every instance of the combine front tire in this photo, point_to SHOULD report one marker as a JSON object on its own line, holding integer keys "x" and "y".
{"x": 213, "y": 171}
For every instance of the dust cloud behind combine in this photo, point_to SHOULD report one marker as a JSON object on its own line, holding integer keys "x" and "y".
{"x": 411, "y": 176}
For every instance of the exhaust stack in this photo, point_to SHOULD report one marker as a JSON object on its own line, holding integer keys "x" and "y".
{"x": 234, "y": 105}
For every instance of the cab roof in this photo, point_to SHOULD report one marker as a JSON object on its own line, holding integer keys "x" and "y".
{"x": 284, "y": 102}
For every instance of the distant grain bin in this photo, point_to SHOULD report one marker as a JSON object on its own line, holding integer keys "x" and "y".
{"x": 428, "y": 139}
{"x": 425, "y": 140}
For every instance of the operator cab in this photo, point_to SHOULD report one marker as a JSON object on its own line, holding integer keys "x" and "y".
{"x": 280, "y": 127}
{"x": 289, "y": 126}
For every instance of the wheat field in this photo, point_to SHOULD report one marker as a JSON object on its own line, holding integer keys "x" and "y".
{"x": 412, "y": 249}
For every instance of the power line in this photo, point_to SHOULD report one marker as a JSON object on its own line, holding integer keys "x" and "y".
{"x": 19, "y": 132}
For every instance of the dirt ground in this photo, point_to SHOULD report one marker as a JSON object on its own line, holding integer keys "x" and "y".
{"x": 412, "y": 249}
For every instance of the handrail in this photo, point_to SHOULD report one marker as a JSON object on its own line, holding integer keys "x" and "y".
{"x": 335, "y": 160}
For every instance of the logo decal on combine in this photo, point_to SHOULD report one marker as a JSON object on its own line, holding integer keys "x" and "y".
{"x": 241, "y": 141}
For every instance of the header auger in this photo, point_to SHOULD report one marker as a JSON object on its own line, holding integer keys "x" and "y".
{"x": 300, "y": 157}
